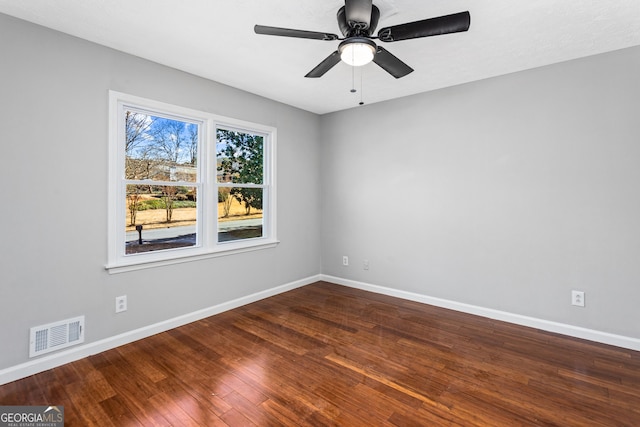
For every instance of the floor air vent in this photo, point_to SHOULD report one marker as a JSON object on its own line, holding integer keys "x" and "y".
{"x": 56, "y": 336}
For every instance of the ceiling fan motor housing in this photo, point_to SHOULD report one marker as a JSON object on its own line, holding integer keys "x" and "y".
{"x": 354, "y": 29}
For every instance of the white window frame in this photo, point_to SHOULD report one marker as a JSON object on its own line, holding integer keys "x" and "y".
{"x": 207, "y": 244}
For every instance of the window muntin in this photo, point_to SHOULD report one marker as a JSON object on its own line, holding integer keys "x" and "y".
{"x": 166, "y": 169}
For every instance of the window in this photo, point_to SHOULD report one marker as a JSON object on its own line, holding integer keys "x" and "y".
{"x": 186, "y": 184}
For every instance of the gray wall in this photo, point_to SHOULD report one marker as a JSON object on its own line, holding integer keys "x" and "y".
{"x": 505, "y": 193}
{"x": 53, "y": 121}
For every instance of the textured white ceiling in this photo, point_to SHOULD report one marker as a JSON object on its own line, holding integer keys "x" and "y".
{"x": 215, "y": 39}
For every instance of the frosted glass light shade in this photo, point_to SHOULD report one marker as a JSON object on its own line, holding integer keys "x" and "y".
{"x": 356, "y": 53}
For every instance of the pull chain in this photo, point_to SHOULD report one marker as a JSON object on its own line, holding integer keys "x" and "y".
{"x": 353, "y": 83}
{"x": 353, "y": 79}
{"x": 361, "y": 91}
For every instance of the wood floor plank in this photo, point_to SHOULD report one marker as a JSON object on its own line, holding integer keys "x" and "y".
{"x": 255, "y": 414}
{"x": 92, "y": 412}
{"x": 115, "y": 409}
{"x": 328, "y": 355}
{"x": 281, "y": 413}
{"x": 168, "y": 407}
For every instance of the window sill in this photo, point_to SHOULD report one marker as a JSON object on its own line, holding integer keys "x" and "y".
{"x": 222, "y": 250}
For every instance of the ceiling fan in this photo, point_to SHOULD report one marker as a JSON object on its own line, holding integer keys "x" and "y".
{"x": 357, "y": 20}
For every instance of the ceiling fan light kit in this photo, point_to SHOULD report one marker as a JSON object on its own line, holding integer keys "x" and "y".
{"x": 357, "y": 51}
{"x": 357, "y": 20}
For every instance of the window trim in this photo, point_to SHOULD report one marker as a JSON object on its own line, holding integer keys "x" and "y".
{"x": 207, "y": 245}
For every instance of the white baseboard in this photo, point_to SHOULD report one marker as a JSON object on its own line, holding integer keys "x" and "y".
{"x": 50, "y": 361}
{"x": 545, "y": 325}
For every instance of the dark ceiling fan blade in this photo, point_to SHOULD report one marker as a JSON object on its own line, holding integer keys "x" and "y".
{"x": 428, "y": 27}
{"x": 358, "y": 13}
{"x": 390, "y": 63}
{"x": 329, "y": 62}
{"x": 288, "y": 32}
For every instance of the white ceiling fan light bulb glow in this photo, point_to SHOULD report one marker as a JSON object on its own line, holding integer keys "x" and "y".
{"x": 357, "y": 52}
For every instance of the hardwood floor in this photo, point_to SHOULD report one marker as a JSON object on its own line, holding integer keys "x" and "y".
{"x": 327, "y": 355}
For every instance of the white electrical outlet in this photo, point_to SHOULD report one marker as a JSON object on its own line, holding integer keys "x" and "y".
{"x": 365, "y": 264}
{"x": 121, "y": 304}
{"x": 577, "y": 298}
{"x": 345, "y": 260}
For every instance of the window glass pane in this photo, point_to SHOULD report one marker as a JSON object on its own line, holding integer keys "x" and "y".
{"x": 160, "y": 217}
{"x": 239, "y": 157}
{"x": 239, "y": 213}
{"x": 160, "y": 149}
